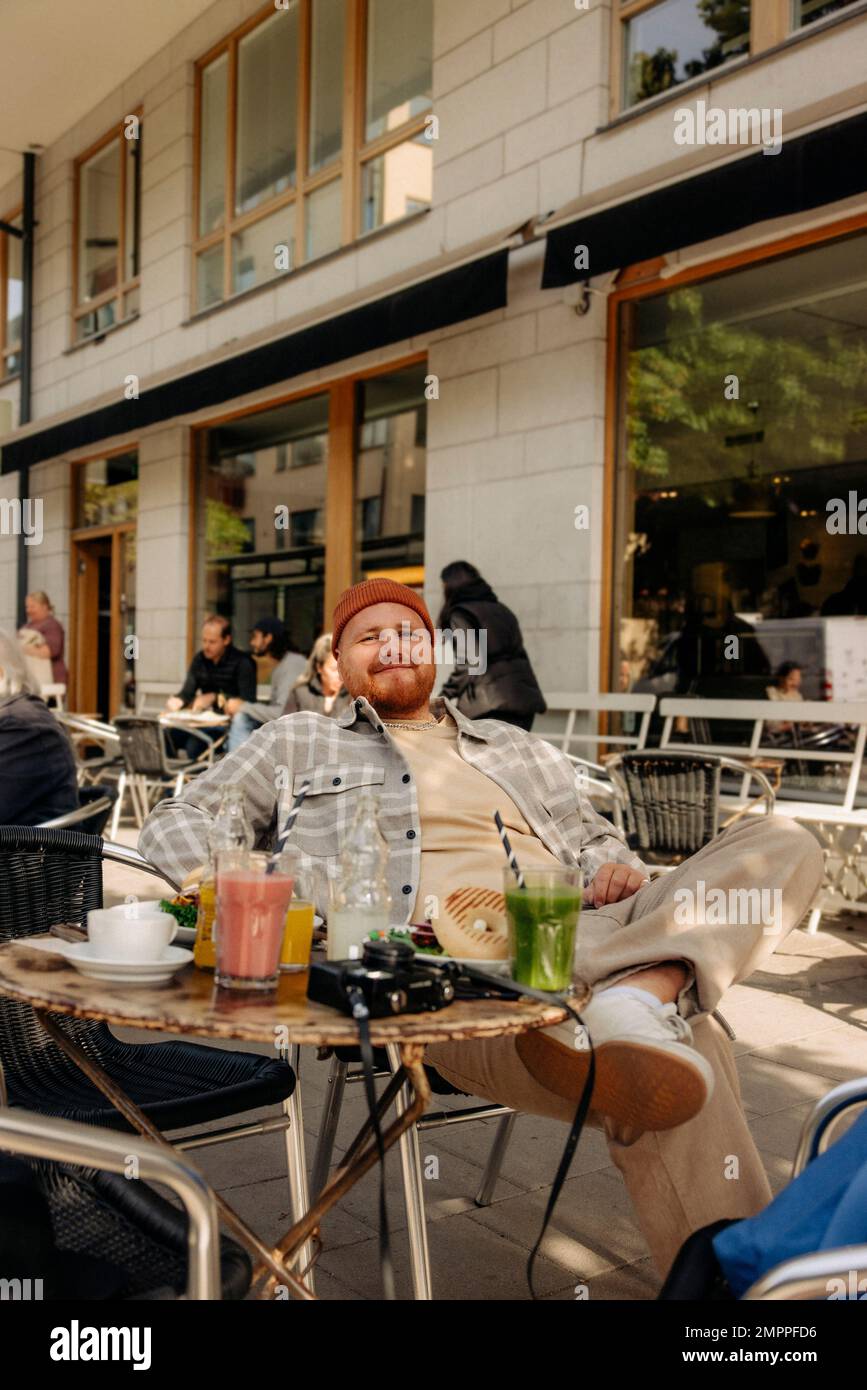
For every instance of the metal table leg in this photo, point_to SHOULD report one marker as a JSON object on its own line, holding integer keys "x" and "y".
{"x": 410, "y": 1165}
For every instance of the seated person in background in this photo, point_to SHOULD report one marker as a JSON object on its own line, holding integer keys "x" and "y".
{"x": 319, "y": 689}
{"x": 268, "y": 638}
{"x": 666, "y": 1087}
{"x": 218, "y": 673}
{"x": 786, "y": 686}
{"x": 37, "y": 767}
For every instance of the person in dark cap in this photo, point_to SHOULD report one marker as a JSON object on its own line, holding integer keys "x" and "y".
{"x": 268, "y": 638}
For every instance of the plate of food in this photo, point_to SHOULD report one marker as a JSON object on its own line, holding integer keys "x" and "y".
{"x": 184, "y": 907}
{"x": 424, "y": 941}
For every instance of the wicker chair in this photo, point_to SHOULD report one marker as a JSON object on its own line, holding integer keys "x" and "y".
{"x": 672, "y": 799}
{"x": 55, "y": 876}
{"x": 147, "y": 768}
{"x": 89, "y": 1233}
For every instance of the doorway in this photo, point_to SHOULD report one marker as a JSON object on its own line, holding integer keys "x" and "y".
{"x": 103, "y": 621}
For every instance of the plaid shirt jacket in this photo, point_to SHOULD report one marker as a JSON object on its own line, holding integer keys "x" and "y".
{"x": 339, "y": 757}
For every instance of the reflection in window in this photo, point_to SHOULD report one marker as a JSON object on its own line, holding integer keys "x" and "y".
{"x": 397, "y": 183}
{"x": 390, "y": 472}
{"x": 11, "y": 290}
{"x": 107, "y": 490}
{"x": 266, "y": 140}
{"x": 808, "y": 11}
{"x": 399, "y": 47}
{"x": 680, "y": 39}
{"x": 724, "y": 497}
{"x": 107, "y": 238}
{"x": 261, "y": 510}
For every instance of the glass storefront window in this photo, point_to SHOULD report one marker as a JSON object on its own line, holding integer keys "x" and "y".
{"x": 679, "y": 39}
{"x": 107, "y": 491}
{"x": 743, "y": 421}
{"x": 390, "y": 475}
{"x": 261, "y": 511}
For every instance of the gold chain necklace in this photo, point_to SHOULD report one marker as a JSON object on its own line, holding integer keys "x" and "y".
{"x": 415, "y": 725}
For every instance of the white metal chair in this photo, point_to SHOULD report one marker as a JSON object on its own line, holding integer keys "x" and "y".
{"x": 147, "y": 767}
{"x": 56, "y": 691}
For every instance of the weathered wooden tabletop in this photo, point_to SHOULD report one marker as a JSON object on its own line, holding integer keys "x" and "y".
{"x": 191, "y": 1004}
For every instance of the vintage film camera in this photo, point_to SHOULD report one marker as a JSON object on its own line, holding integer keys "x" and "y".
{"x": 390, "y": 977}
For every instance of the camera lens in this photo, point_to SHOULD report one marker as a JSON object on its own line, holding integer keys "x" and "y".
{"x": 387, "y": 955}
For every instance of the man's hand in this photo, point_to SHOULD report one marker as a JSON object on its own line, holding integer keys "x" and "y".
{"x": 174, "y": 702}
{"x": 202, "y": 702}
{"x": 233, "y": 705}
{"x": 613, "y": 883}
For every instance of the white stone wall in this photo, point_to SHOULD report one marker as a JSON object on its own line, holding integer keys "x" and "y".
{"x": 516, "y": 438}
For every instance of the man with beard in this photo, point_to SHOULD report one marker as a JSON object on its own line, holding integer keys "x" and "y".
{"x": 666, "y": 1093}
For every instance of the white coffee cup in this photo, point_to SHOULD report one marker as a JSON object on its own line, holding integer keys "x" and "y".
{"x": 114, "y": 936}
{"x": 135, "y": 908}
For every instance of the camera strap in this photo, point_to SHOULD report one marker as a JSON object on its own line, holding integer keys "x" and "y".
{"x": 361, "y": 1014}
{"x": 547, "y": 997}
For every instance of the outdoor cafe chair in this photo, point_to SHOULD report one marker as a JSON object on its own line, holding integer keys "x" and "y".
{"x": 147, "y": 768}
{"x": 71, "y": 1218}
{"x": 95, "y": 804}
{"x": 672, "y": 800}
{"x": 695, "y": 1273}
{"x": 50, "y": 877}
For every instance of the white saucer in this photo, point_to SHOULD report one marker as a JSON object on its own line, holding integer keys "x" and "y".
{"x": 143, "y": 972}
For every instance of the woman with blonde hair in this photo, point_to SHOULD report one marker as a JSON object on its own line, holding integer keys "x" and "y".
{"x": 318, "y": 689}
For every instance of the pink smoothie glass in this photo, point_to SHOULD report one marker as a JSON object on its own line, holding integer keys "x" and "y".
{"x": 251, "y": 913}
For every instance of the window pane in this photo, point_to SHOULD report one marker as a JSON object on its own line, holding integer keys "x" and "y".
{"x": 212, "y": 155}
{"x": 14, "y": 289}
{"x": 132, "y": 152}
{"x": 326, "y": 83}
{"x": 396, "y": 183}
{"x": 390, "y": 471}
{"x": 263, "y": 250}
{"x": 808, "y": 11}
{"x": 262, "y": 522}
{"x": 724, "y": 507}
{"x": 399, "y": 45}
{"x": 98, "y": 231}
{"x": 209, "y": 277}
{"x": 679, "y": 39}
{"x": 107, "y": 490}
{"x": 267, "y": 110}
{"x": 322, "y": 214}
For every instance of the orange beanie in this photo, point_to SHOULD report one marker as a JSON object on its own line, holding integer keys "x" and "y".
{"x": 372, "y": 591}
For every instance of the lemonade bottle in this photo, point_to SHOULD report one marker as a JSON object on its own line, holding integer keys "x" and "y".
{"x": 231, "y": 830}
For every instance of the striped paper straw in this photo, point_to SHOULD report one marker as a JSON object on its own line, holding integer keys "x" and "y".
{"x": 287, "y": 828}
{"x": 510, "y": 853}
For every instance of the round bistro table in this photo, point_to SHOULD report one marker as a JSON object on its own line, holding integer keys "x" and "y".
{"x": 191, "y": 1005}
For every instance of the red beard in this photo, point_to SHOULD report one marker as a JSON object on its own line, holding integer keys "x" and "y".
{"x": 397, "y": 696}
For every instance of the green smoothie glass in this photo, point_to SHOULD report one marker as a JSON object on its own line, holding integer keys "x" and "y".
{"x": 542, "y": 920}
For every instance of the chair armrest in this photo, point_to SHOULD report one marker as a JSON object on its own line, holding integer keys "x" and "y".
{"x": 66, "y": 1141}
{"x": 93, "y": 808}
{"x": 818, "y": 1131}
{"x": 814, "y": 1276}
{"x": 131, "y": 859}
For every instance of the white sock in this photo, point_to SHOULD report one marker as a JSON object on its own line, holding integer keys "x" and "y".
{"x": 634, "y": 993}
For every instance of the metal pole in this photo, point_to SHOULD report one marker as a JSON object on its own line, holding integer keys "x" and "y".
{"x": 28, "y": 223}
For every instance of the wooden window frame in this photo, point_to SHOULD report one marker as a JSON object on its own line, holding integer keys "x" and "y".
{"x": 633, "y": 287}
{"x": 771, "y": 21}
{"x": 339, "y": 479}
{"x": 123, "y": 287}
{"x": 348, "y": 166}
{"x": 6, "y": 349}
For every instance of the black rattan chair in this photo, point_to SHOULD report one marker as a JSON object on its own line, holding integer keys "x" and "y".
{"x": 95, "y": 804}
{"x": 50, "y": 877}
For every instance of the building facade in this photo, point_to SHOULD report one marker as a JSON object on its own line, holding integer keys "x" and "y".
{"x": 329, "y": 288}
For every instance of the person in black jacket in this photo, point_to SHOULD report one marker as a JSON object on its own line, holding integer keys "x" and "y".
{"x": 37, "y": 766}
{"x": 506, "y": 688}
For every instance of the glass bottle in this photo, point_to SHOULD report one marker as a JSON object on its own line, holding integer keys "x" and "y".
{"x": 231, "y": 830}
{"x": 360, "y": 900}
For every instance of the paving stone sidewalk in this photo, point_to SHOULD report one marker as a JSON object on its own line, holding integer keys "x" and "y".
{"x": 801, "y": 1028}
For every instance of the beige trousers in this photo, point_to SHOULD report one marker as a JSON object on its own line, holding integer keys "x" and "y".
{"x": 709, "y": 1168}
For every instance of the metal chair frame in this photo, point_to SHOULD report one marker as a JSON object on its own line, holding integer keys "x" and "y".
{"x": 808, "y": 1276}
{"x": 169, "y": 773}
{"x": 66, "y": 1141}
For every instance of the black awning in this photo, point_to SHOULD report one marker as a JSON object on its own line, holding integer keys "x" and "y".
{"x": 463, "y": 293}
{"x": 809, "y": 170}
